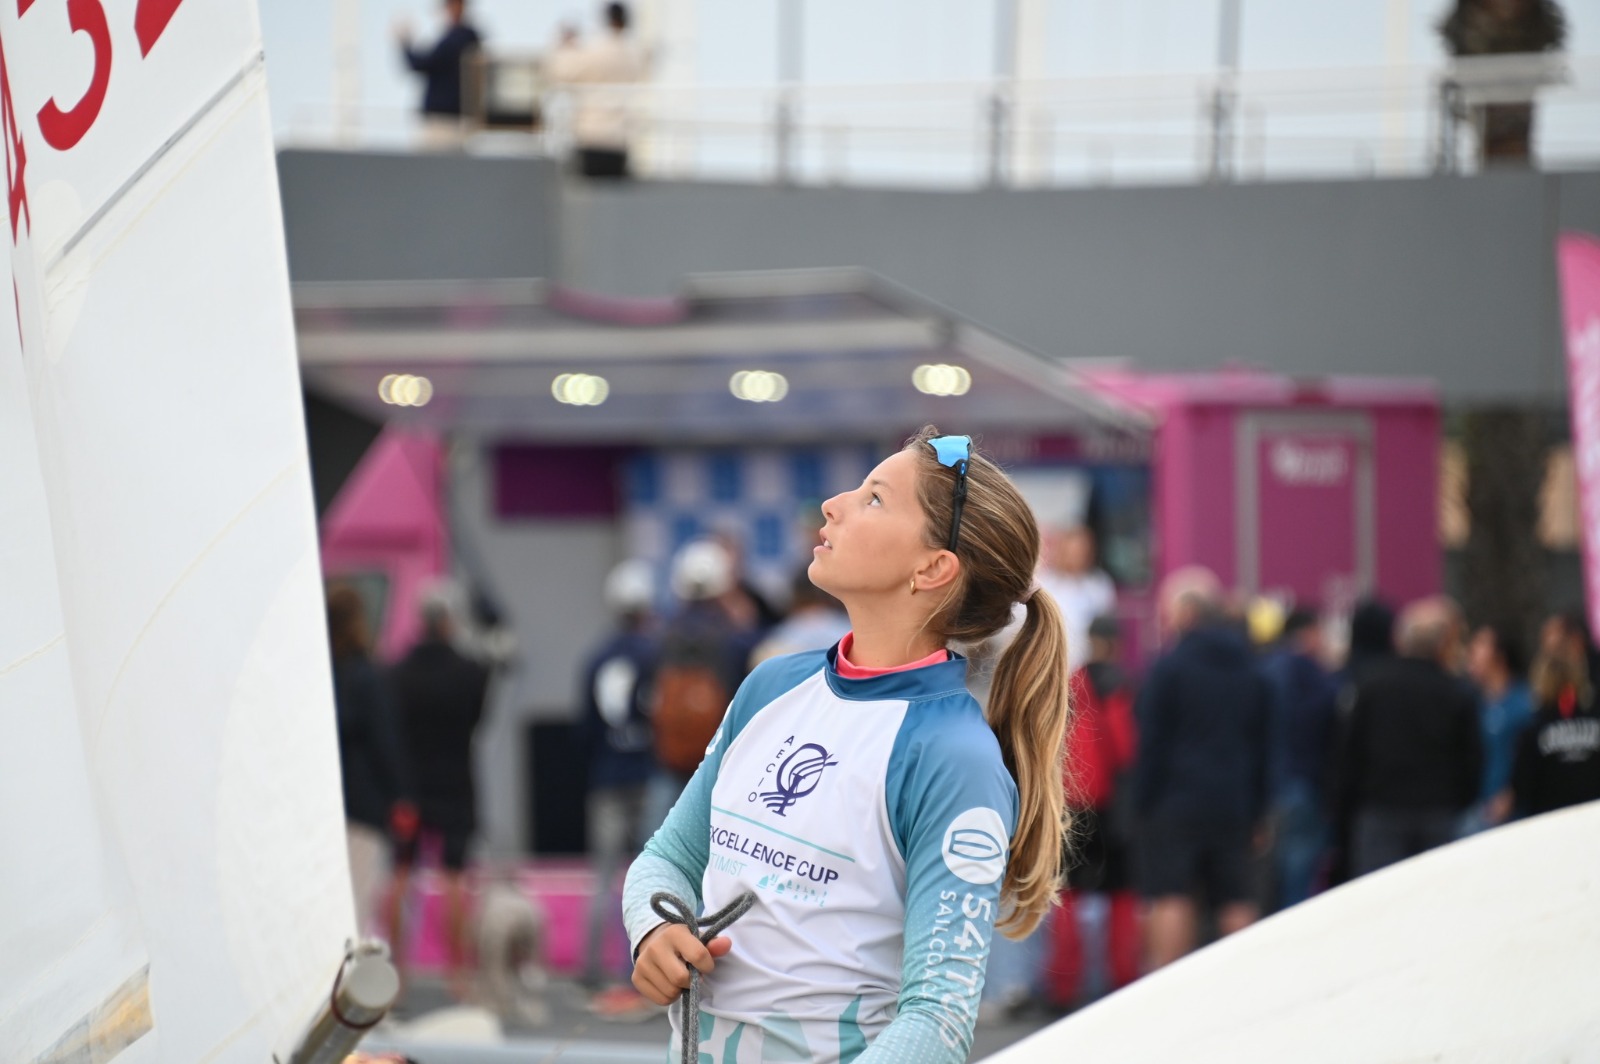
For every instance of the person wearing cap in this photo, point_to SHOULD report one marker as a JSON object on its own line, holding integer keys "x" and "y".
{"x": 615, "y": 737}
{"x": 713, "y": 632}
{"x": 440, "y": 693}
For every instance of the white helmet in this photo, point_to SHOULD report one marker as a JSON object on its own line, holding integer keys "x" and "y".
{"x": 703, "y": 569}
{"x": 631, "y": 586}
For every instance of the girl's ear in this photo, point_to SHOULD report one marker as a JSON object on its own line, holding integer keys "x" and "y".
{"x": 938, "y": 570}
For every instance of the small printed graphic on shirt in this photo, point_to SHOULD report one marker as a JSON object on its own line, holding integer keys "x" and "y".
{"x": 793, "y": 889}
{"x": 797, "y": 777}
{"x": 963, "y": 927}
{"x": 975, "y": 845}
{"x": 794, "y": 772}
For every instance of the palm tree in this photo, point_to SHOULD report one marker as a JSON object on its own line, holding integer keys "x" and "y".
{"x": 1504, "y": 27}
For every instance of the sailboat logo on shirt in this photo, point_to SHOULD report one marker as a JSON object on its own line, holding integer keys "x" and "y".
{"x": 797, "y": 777}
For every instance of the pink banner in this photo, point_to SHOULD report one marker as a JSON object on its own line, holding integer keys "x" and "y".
{"x": 1579, "y": 258}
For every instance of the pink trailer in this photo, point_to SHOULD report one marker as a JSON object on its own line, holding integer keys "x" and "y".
{"x": 1316, "y": 491}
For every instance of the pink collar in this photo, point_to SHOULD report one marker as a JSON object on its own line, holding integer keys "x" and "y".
{"x": 842, "y": 665}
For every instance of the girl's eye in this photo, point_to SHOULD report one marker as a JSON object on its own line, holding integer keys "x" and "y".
{"x": 875, "y": 500}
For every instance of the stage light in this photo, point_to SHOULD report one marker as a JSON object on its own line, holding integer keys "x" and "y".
{"x": 404, "y": 389}
{"x": 580, "y": 389}
{"x": 939, "y": 378}
{"x": 758, "y": 386}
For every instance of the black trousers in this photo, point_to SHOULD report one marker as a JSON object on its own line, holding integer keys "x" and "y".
{"x": 609, "y": 163}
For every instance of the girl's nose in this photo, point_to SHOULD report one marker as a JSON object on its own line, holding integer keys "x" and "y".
{"x": 830, "y": 508}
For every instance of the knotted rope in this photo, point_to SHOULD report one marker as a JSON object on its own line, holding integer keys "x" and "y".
{"x": 674, "y": 910}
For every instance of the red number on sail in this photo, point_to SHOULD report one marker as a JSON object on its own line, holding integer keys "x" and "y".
{"x": 63, "y": 129}
{"x": 150, "y": 21}
{"x": 16, "y": 156}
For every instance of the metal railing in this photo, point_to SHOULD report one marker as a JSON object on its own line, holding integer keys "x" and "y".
{"x": 1213, "y": 126}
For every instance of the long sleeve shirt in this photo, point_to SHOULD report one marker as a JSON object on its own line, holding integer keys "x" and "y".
{"x": 871, "y": 818}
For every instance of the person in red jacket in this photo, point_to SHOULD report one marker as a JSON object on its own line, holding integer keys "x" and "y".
{"x": 1100, "y": 750}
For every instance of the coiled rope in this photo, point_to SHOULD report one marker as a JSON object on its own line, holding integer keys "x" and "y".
{"x": 674, "y": 910}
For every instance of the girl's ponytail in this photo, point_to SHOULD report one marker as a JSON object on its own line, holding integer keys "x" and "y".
{"x": 1028, "y": 709}
{"x": 998, "y": 547}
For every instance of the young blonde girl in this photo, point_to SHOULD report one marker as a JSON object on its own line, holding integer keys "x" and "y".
{"x": 885, "y": 827}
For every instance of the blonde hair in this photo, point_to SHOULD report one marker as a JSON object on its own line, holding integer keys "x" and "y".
{"x": 1028, "y": 706}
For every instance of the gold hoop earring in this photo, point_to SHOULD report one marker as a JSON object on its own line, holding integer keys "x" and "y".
{"x": 913, "y": 585}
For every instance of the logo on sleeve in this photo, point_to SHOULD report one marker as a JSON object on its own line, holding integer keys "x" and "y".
{"x": 975, "y": 845}
{"x": 797, "y": 777}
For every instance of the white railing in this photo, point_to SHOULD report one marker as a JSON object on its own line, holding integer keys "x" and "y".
{"x": 1250, "y": 125}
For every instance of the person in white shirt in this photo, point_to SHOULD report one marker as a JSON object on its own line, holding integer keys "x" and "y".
{"x": 1080, "y": 588}
{"x": 595, "y": 72}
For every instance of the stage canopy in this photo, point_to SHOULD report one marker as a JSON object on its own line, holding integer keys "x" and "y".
{"x": 858, "y": 356}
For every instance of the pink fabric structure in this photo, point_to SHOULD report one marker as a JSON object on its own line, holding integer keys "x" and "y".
{"x": 389, "y": 521}
{"x": 1579, "y": 257}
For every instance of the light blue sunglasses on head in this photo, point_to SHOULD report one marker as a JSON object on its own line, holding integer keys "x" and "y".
{"x": 955, "y": 452}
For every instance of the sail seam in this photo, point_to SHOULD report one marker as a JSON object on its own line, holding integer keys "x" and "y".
{"x": 33, "y": 655}
{"x": 204, "y": 554}
{"x": 253, "y": 63}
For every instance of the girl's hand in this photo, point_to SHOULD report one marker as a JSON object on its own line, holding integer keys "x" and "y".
{"x": 659, "y": 973}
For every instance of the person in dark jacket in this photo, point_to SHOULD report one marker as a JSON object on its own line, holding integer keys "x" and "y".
{"x": 1558, "y": 756}
{"x": 1412, "y": 755}
{"x": 617, "y": 742}
{"x": 1304, "y": 697}
{"x": 442, "y": 65}
{"x": 1201, "y": 777}
{"x": 378, "y": 799}
{"x": 440, "y": 693}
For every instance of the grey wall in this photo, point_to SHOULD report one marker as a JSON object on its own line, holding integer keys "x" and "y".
{"x": 1450, "y": 278}
{"x": 547, "y": 575}
{"x": 363, "y": 216}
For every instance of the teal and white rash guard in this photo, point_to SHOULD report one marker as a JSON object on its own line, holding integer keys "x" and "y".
{"x": 872, "y": 819}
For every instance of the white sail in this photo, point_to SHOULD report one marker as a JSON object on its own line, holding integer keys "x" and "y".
{"x": 163, "y": 658}
{"x": 1486, "y": 950}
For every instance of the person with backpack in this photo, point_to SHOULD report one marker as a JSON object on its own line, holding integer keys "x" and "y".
{"x": 862, "y": 823}
{"x": 702, "y": 660}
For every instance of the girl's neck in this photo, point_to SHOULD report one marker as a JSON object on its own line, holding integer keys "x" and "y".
{"x": 1496, "y": 683}
{"x": 887, "y": 637}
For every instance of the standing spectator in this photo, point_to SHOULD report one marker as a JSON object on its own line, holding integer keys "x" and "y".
{"x": 1412, "y": 756}
{"x": 440, "y": 693}
{"x": 703, "y": 657}
{"x": 616, "y": 735}
{"x": 1079, "y": 586}
{"x": 597, "y": 74}
{"x": 1100, "y": 752}
{"x": 816, "y": 621}
{"x": 377, "y": 784}
{"x": 1558, "y": 758}
{"x": 1201, "y": 783}
{"x": 442, "y": 69}
{"x": 1304, "y": 697}
{"x": 1371, "y": 645}
{"x": 1566, "y": 635}
{"x": 1496, "y": 664}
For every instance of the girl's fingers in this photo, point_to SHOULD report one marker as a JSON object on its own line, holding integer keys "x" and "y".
{"x": 720, "y": 946}
{"x": 695, "y": 953}
{"x": 652, "y": 986}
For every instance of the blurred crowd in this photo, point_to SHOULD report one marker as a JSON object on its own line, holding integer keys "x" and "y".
{"x": 1247, "y": 767}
